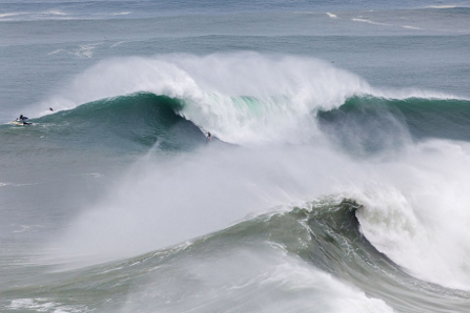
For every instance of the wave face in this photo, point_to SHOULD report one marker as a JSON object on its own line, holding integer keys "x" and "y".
{"x": 126, "y": 123}
{"x": 294, "y": 257}
{"x": 142, "y": 119}
{"x": 371, "y": 124}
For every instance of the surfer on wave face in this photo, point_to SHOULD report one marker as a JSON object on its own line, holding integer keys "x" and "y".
{"x": 22, "y": 119}
{"x": 209, "y": 136}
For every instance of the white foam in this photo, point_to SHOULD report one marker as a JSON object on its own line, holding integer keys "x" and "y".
{"x": 95, "y": 175}
{"x": 54, "y": 12}
{"x": 33, "y": 15}
{"x": 258, "y": 281}
{"x": 441, "y": 6}
{"x": 25, "y": 228}
{"x": 362, "y": 20}
{"x": 12, "y": 14}
{"x": 55, "y": 52}
{"x": 418, "y": 214}
{"x": 85, "y": 51}
{"x": 331, "y": 15}
{"x": 119, "y": 43}
{"x": 45, "y": 305}
{"x": 4, "y": 184}
{"x": 121, "y": 13}
{"x": 412, "y": 27}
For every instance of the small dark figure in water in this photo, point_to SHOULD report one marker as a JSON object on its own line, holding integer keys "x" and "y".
{"x": 209, "y": 136}
{"x": 51, "y": 109}
{"x": 22, "y": 119}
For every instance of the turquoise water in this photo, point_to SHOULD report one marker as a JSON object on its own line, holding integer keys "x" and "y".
{"x": 336, "y": 180}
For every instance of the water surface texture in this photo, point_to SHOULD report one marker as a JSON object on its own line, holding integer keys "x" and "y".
{"x": 336, "y": 180}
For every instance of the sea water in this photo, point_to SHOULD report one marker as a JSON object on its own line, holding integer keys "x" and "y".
{"x": 336, "y": 179}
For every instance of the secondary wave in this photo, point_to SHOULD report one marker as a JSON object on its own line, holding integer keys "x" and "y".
{"x": 309, "y": 248}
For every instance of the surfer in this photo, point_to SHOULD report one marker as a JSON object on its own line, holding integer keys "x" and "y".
{"x": 22, "y": 120}
{"x": 209, "y": 136}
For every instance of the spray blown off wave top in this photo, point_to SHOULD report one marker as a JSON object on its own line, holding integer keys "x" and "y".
{"x": 251, "y": 157}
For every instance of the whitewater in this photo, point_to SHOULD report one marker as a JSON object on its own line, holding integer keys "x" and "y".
{"x": 336, "y": 179}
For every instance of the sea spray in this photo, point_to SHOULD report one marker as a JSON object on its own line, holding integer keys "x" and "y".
{"x": 335, "y": 181}
{"x": 419, "y": 218}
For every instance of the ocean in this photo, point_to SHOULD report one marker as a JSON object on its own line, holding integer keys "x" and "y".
{"x": 336, "y": 180}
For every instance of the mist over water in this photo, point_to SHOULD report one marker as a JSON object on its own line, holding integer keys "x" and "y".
{"x": 404, "y": 216}
{"x": 335, "y": 180}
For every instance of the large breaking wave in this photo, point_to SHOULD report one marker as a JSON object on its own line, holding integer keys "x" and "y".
{"x": 244, "y": 98}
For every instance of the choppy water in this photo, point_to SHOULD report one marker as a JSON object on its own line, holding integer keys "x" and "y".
{"x": 336, "y": 180}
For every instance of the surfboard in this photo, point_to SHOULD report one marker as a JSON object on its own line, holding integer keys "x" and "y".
{"x": 20, "y": 123}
